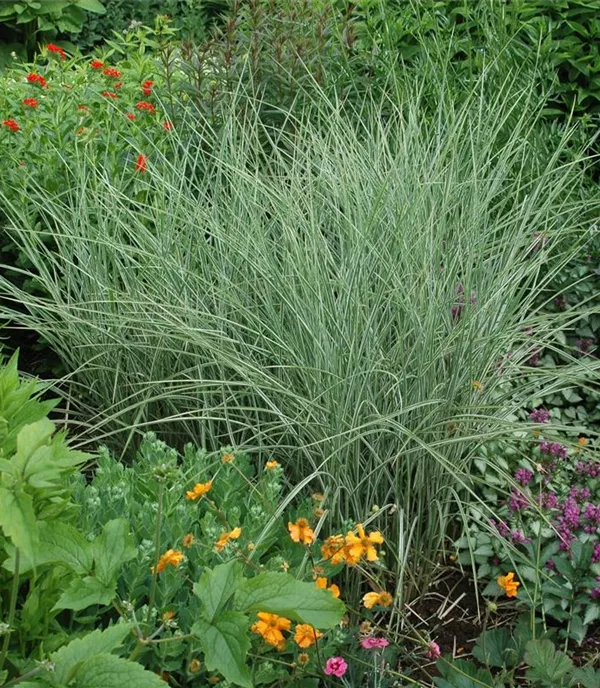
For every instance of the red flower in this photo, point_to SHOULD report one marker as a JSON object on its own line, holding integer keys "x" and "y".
{"x": 147, "y": 87}
{"x": 141, "y": 164}
{"x": 143, "y": 105}
{"x": 111, "y": 71}
{"x": 37, "y": 79}
{"x": 130, "y": 116}
{"x": 56, "y": 49}
{"x": 119, "y": 84}
{"x": 83, "y": 107}
{"x": 81, "y": 131}
{"x": 96, "y": 64}
{"x": 11, "y": 124}
{"x": 108, "y": 94}
{"x": 30, "y": 102}
{"x": 167, "y": 126}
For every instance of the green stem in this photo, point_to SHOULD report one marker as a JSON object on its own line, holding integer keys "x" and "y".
{"x": 29, "y": 674}
{"x": 12, "y": 608}
{"x": 158, "y": 532}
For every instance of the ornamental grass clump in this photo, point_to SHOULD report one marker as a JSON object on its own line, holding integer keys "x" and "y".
{"x": 328, "y": 291}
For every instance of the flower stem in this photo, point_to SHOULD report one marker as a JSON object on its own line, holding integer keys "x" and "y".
{"x": 158, "y": 532}
{"x": 12, "y": 607}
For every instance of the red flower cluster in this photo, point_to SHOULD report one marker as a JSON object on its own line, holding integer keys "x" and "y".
{"x": 147, "y": 87}
{"x": 96, "y": 64}
{"x": 167, "y": 126}
{"x": 56, "y": 49}
{"x": 108, "y": 94}
{"x": 143, "y": 105}
{"x": 30, "y": 102}
{"x": 141, "y": 164}
{"x": 37, "y": 79}
{"x": 11, "y": 124}
{"x": 111, "y": 71}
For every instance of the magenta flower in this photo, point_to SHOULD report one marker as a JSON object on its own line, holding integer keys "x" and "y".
{"x": 433, "y": 650}
{"x": 374, "y": 643}
{"x": 335, "y": 666}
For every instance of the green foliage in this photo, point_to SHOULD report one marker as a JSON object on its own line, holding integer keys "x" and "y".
{"x": 547, "y": 667}
{"x": 34, "y": 20}
{"x": 191, "y": 19}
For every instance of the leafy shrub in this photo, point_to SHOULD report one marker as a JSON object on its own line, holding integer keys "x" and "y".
{"x": 190, "y": 18}
{"x": 503, "y": 653}
{"x": 546, "y": 523}
{"x": 28, "y": 20}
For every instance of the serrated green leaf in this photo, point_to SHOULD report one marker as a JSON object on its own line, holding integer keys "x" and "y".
{"x": 83, "y": 592}
{"x": 280, "y": 593}
{"x": 546, "y": 664}
{"x": 587, "y": 677}
{"x": 109, "y": 671}
{"x": 17, "y": 520}
{"x": 496, "y": 648}
{"x": 70, "y": 657}
{"x": 217, "y": 586}
{"x": 29, "y": 439}
{"x": 111, "y": 549}
{"x": 225, "y": 644}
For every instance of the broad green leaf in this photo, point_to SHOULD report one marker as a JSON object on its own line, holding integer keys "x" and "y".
{"x": 547, "y": 665}
{"x": 52, "y": 6}
{"x": 216, "y": 587}
{"x": 109, "y": 671}
{"x": 83, "y": 592}
{"x": 280, "y": 593}
{"x": 225, "y": 644}
{"x": 17, "y": 519}
{"x": 70, "y": 657}
{"x": 31, "y": 438}
{"x": 91, "y": 6}
{"x": 61, "y": 542}
{"x": 112, "y": 548}
{"x": 459, "y": 673}
{"x": 497, "y": 648}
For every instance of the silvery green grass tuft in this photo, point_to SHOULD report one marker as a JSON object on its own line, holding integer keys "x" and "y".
{"x": 329, "y": 291}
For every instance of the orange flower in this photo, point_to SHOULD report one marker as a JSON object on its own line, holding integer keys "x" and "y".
{"x": 269, "y": 626}
{"x": 167, "y": 616}
{"x": 306, "y": 635}
{"x": 362, "y": 545}
{"x": 224, "y": 538}
{"x": 321, "y": 582}
{"x": 582, "y": 441}
{"x": 333, "y": 549}
{"x": 301, "y": 532}
{"x": 227, "y": 458}
{"x": 199, "y": 490}
{"x": 383, "y": 599}
{"x": 171, "y": 557}
{"x": 188, "y": 540}
{"x": 141, "y": 164}
{"x": 508, "y": 584}
{"x": 270, "y": 465}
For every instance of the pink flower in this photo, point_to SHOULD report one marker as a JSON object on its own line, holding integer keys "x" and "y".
{"x": 433, "y": 650}
{"x": 373, "y": 643}
{"x": 335, "y": 666}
